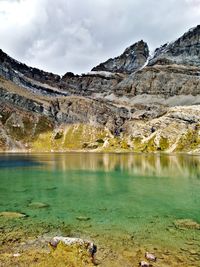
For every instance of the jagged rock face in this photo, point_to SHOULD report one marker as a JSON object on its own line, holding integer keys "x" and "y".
{"x": 7, "y": 63}
{"x": 73, "y": 109}
{"x": 33, "y": 79}
{"x": 96, "y": 112}
{"x": 185, "y": 50}
{"x": 93, "y": 82}
{"x": 25, "y": 103}
{"x": 133, "y": 58}
{"x": 166, "y": 81}
{"x": 45, "y": 83}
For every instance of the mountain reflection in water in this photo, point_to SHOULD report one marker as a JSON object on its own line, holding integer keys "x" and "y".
{"x": 138, "y": 164}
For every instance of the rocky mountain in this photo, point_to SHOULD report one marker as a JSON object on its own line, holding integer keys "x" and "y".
{"x": 185, "y": 50}
{"x": 130, "y": 103}
{"x": 133, "y": 58}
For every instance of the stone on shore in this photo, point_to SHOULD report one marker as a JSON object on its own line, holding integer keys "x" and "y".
{"x": 150, "y": 256}
{"x": 144, "y": 264}
{"x": 73, "y": 249}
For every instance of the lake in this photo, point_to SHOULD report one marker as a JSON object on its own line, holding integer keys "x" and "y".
{"x": 109, "y": 197}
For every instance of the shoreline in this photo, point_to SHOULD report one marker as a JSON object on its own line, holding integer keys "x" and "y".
{"x": 25, "y": 244}
{"x": 99, "y": 152}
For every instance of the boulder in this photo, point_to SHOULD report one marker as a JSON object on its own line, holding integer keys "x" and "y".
{"x": 74, "y": 249}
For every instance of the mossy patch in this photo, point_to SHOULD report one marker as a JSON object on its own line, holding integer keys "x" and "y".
{"x": 138, "y": 145}
{"x": 150, "y": 145}
{"x": 119, "y": 144}
{"x": 43, "y": 142}
{"x": 163, "y": 143}
{"x": 74, "y": 137}
{"x": 190, "y": 140}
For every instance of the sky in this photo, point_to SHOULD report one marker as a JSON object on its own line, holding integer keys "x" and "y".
{"x": 75, "y": 35}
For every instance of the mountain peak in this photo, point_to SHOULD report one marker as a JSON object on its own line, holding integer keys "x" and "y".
{"x": 132, "y": 59}
{"x": 184, "y": 50}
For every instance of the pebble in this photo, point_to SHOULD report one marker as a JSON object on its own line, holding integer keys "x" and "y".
{"x": 171, "y": 230}
{"x": 190, "y": 243}
{"x": 144, "y": 264}
{"x": 16, "y": 255}
{"x": 82, "y": 218}
{"x": 150, "y": 256}
{"x": 184, "y": 249}
{"x": 193, "y": 252}
{"x": 166, "y": 252}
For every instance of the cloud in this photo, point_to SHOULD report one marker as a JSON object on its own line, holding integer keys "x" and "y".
{"x": 75, "y": 35}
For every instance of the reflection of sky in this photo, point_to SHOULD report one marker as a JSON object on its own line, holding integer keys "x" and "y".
{"x": 140, "y": 164}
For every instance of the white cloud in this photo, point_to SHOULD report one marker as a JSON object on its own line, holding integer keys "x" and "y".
{"x": 75, "y": 35}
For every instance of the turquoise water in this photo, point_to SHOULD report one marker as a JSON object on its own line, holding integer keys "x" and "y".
{"x": 140, "y": 195}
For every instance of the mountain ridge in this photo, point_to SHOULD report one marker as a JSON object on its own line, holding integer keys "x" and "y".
{"x": 129, "y": 103}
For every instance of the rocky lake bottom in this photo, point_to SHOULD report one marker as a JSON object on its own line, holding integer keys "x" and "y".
{"x": 127, "y": 204}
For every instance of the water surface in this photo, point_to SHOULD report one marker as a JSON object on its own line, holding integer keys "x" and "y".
{"x": 115, "y": 194}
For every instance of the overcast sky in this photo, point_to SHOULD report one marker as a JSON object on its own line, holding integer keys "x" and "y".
{"x": 75, "y": 35}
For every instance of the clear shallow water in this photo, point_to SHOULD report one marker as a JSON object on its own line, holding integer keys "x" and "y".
{"x": 140, "y": 195}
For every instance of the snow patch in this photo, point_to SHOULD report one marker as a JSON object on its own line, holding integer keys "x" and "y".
{"x": 105, "y": 74}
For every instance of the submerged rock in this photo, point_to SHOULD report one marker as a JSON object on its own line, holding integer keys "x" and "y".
{"x": 38, "y": 205}
{"x": 51, "y": 188}
{"x": 193, "y": 252}
{"x": 187, "y": 224}
{"x": 83, "y": 218}
{"x": 12, "y": 214}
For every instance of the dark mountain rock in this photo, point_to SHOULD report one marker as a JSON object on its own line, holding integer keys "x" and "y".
{"x": 185, "y": 50}
{"x": 133, "y": 58}
{"x": 7, "y": 63}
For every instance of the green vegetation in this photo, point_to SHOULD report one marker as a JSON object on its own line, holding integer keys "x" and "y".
{"x": 163, "y": 143}
{"x": 73, "y": 137}
{"x": 190, "y": 140}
